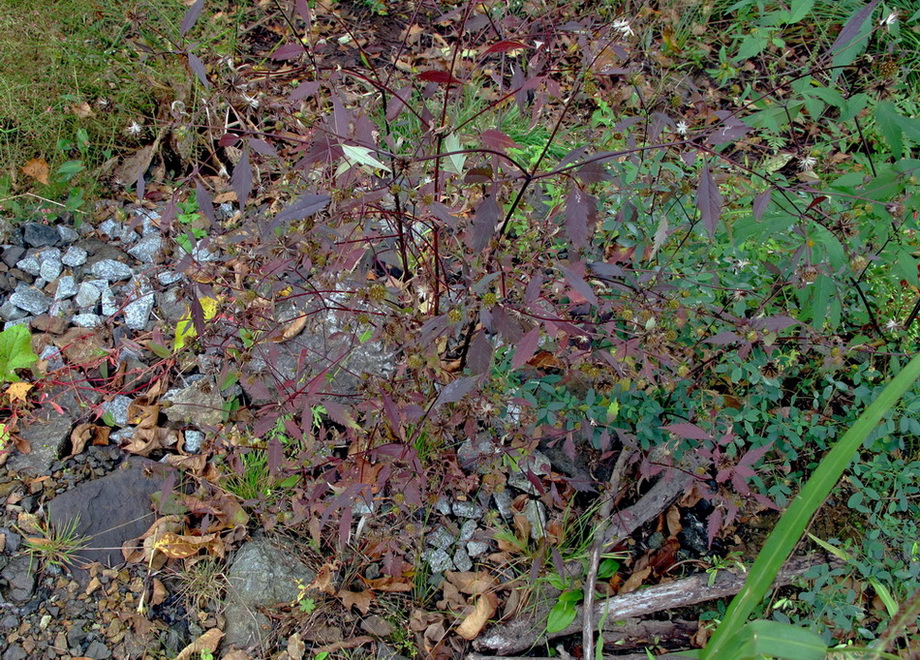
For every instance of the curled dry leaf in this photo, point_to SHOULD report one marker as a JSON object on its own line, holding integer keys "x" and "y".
{"x": 142, "y": 414}
{"x": 181, "y": 546}
{"x": 159, "y": 593}
{"x": 134, "y": 552}
{"x": 207, "y": 643}
{"x": 88, "y": 433}
{"x": 145, "y": 441}
{"x": 472, "y": 583}
{"x": 473, "y": 624}
{"x": 292, "y": 329}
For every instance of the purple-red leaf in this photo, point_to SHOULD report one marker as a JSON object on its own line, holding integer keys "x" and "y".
{"x": 497, "y": 140}
{"x": 228, "y": 140}
{"x": 852, "y": 29}
{"x": 305, "y": 90}
{"x": 578, "y": 283}
{"x": 303, "y": 10}
{"x": 262, "y": 147}
{"x": 503, "y": 47}
{"x": 709, "y": 201}
{"x": 289, "y": 51}
{"x": 197, "y": 67}
{"x": 580, "y": 216}
{"x": 440, "y": 77}
{"x": 190, "y": 17}
{"x": 205, "y": 203}
{"x": 480, "y": 355}
{"x": 241, "y": 179}
{"x": 454, "y": 391}
{"x": 761, "y": 202}
{"x": 484, "y": 223}
{"x": 688, "y": 431}
{"x": 525, "y": 349}
{"x": 724, "y": 338}
{"x": 305, "y": 205}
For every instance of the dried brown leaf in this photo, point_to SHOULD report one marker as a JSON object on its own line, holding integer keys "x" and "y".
{"x": 473, "y": 624}
{"x": 207, "y": 642}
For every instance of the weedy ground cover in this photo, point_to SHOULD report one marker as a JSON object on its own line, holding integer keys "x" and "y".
{"x": 595, "y": 231}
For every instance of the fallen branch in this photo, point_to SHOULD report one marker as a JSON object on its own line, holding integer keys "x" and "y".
{"x": 597, "y": 548}
{"x": 525, "y": 633}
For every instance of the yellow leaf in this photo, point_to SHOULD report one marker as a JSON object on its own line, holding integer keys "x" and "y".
{"x": 476, "y": 621}
{"x": 18, "y": 391}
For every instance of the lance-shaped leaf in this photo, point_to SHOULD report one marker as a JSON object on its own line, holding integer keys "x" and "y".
{"x": 454, "y": 391}
{"x": 440, "y": 77}
{"x": 852, "y": 30}
{"x": 484, "y": 222}
{"x": 305, "y": 90}
{"x": 503, "y": 47}
{"x": 709, "y": 201}
{"x": 205, "y": 203}
{"x": 190, "y": 17}
{"x": 305, "y": 206}
{"x": 197, "y": 67}
{"x": 241, "y": 179}
{"x": 580, "y": 216}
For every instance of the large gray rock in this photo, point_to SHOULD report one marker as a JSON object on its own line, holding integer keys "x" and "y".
{"x": 262, "y": 575}
{"x": 331, "y": 339}
{"x": 46, "y": 436}
{"x": 112, "y": 509}
{"x": 200, "y": 404}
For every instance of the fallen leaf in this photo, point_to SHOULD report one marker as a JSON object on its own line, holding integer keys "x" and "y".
{"x": 88, "y": 433}
{"x": 38, "y": 169}
{"x": 471, "y": 583}
{"x": 293, "y": 329}
{"x": 359, "y": 599}
{"x": 636, "y": 580}
{"x": 82, "y": 110}
{"x": 180, "y": 546}
{"x": 295, "y": 647}
{"x": 145, "y": 441}
{"x": 18, "y": 391}
{"x": 207, "y": 642}
{"x": 323, "y": 580}
{"x": 389, "y": 583}
{"x": 159, "y": 593}
{"x": 142, "y": 414}
{"x": 473, "y": 624}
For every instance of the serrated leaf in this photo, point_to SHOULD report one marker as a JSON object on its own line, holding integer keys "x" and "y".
{"x": 709, "y": 201}
{"x": 454, "y": 391}
{"x": 485, "y": 220}
{"x": 241, "y": 179}
{"x": 362, "y": 156}
{"x": 886, "y": 118}
{"x": 305, "y": 90}
{"x": 761, "y": 202}
{"x": 580, "y": 216}
{"x": 525, "y": 348}
{"x": 852, "y": 40}
{"x": 190, "y": 17}
{"x": 15, "y": 352}
{"x": 305, "y": 205}
{"x": 197, "y": 67}
{"x": 799, "y": 9}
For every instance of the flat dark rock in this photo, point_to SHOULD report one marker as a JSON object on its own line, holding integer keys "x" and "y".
{"x": 112, "y": 509}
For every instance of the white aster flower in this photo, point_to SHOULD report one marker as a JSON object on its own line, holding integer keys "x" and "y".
{"x": 807, "y": 163}
{"x": 682, "y": 127}
{"x": 622, "y": 26}
{"x": 889, "y": 20}
{"x": 134, "y": 128}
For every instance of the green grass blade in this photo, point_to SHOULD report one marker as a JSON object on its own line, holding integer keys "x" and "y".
{"x": 784, "y": 537}
{"x": 776, "y": 640}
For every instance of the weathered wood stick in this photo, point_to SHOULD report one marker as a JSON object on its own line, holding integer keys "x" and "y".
{"x": 524, "y": 633}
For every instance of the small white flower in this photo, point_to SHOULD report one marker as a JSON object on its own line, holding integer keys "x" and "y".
{"x": 682, "y": 128}
{"x": 622, "y": 26}
{"x": 889, "y": 20}
{"x": 807, "y": 163}
{"x": 892, "y": 325}
{"x": 134, "y": 128}
{"x": 251, "y": 101}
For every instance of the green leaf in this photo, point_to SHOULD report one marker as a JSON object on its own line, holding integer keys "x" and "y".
{"x": 799, "y": 9}
{"x": 784, "y": 537}
{"x": 751, "y": 46}
{"x": 776, "y": 640}
{"x": 15, "y": 352}
{"x": 886, "y": 118}
{"x": 562, "y": 614}
{"x": 608, "y": 569}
